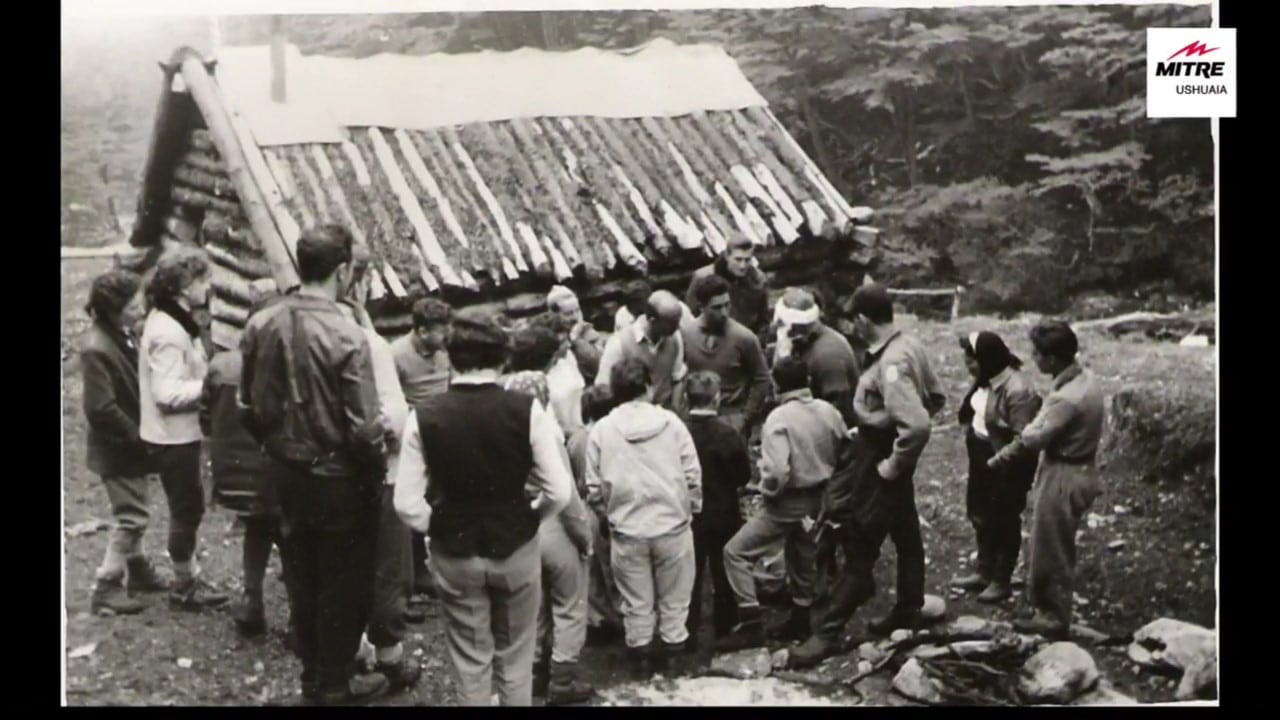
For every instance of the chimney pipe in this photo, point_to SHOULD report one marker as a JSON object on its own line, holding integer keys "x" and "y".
{"x": 277, "y": 59}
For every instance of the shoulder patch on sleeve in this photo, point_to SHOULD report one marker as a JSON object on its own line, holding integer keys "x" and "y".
{"x": 891, "y": 374}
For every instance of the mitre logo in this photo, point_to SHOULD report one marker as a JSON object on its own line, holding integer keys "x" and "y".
{"x": 1191, "y": 72}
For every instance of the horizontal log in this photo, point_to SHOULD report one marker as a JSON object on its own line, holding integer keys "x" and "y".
{"x": 225, "y": 336}
{"x": 231, "y": 314}
{"x": 219, "y": 186}
{"x": 241, "y": 265}
{"x": 181, "y": 229}
{"x": 927, "y": 293}
{"x": 199, "y": 160}
{"x": 194, "y": 198}
{"x": 231, "y": 288}
{"x": 222, "y": 230}
{"x": 122, "y": 250}
{"x": 201, "y": 140}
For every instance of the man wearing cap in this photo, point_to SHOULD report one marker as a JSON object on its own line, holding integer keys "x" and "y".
{"x": 587, "y": 342}
{"x": 307, "y": 395}
{"x": 1067, "y": 432}
{"x": 748, "y": 286}
{"x": 465, "y": 459}
{"x": 896, "y": 396}
{"x": 717, "y": 343}
{"x": 653, "y": 338}
{"x": 833, "y": 367}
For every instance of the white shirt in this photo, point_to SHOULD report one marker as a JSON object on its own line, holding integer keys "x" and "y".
{"x": 550, "y": 474}
{"x": 623, "y": 318}
{"x": 171, "y": 370}
{"x": 979, "y": 404}
{"x": 565, "y": 386}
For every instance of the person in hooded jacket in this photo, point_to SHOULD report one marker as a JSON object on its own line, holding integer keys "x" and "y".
{"x": 1000, "y": 404}
{"x": 643, "y": 473}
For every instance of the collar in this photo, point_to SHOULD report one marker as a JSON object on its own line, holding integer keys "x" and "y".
{"x": 882, "y": 344}
{"x": 476, "y": 377}
{"x": 1000, "y": 378}
{"x": 418, "y": 347}
{"x": 640, "y": 328}
{"x": 1072, "y": 372}
{"x": 703, "y": 412}
{"x": 801, "y": 394}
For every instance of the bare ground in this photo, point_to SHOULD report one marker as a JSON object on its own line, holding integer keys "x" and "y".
{"x": 1166, "y": 567}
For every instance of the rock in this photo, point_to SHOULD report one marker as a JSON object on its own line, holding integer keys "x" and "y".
{"x": 1087, "y": 634}
{"x": 912, "y": 681}
{"x": 1115, "y": 545}
{"x": 981, "y": 627}
{"x": 1200, "y": 681}
{"x": 973, "y": 648}
{"x": 1198, "y": 341}
{"x": 864, "y": 667}
{"x": 1058, "y": 674}
{"x": 780, "y": 658}
{"x": 744, "y": 664}
{"x": 1173, "y": 644}
{"x": 929, "y": 652}
{"x": 1104, "y": 694}
{"x": 900, "y": 635}
{"x": 871, "y": 652}
{"x": 935, "y": 608}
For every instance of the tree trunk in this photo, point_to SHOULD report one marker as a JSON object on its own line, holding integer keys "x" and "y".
{"x": 814, "y": 125}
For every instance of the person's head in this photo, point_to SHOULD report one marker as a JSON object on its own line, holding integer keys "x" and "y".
{"x": 986, "y": 355}
{"x": 1053, "y": 346}
{"x": 181, "y": 277}
{"x": 114, "y": 299}
{"x": 738, "y": 255}
{"x": 553, "y": 322}
{"x": 431, "y": 322}
{"x": 629, "y": 380}
{"x": 799, "y": 314}
{"x": 702, "y": 388}
{"x": 636, "y": 297}
{"x": 872, "y": 311}
{"x": 477, "y": 341}
{"x": 712, "y": 294}
{"x": 790, "y": 374}
{"x": 533, "y": 347}
{"x": 564, "y": 303}
{"x": 664, "y": 312}
{"x": 325, "y": 257}
{"x": 597, "y": 401}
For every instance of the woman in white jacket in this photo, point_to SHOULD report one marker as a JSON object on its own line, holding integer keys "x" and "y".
{"x": 171, "y": 372}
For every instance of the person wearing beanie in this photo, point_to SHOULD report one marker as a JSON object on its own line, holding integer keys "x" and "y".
{"x": 896, "y": 398}
{"x": 115, "y": 452}
{"x": 1066, "y": 434}
{"x": 1001, "y": 403}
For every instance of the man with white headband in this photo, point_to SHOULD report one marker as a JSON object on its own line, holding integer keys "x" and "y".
{"x": 833, "y": 367}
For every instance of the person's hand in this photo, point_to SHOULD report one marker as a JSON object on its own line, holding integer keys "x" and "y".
{"x": 807, "y": 523}
{"x": 885, "y": 470}
{"x": 578, "y": 330}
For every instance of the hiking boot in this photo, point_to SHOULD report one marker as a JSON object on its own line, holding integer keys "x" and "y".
{"x": 566, "y": 687}
{"x": 638, "y": 662}
{"x": 748, "y": 633}
{"x": 971, "y": 583}
{"x": 897, "y": 619}
{"x": 603, "y": 634}
{"x": 250, "y": 616}
{"x": 996, "y": 592}
{"x": 1043, "y": 625}
{"x": 796, "y": 628}
{"x": 143, "y": 577}
{"x": 195, "y": 594}
{"x": 400, "y": 675}
{"x": 541, "y": 678}
{"x": 812, "y": 652}
{"x": 109, "y": 598}
{"x": 359, "y": 689}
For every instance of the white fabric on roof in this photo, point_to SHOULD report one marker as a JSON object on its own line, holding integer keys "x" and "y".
{"x": 325, "y": 94}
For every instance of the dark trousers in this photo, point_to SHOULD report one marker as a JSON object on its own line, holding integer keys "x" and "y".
{"x": 890, "y": 512}
{"x": 421, "y": 574}
{"x": 179, "y": 468}
{"x": 330, "y": 532}
{"x": 708, "y": 545}
{"x": 393, "y": 575}
{"x": 994, "y": 501}
{"x": 260, "y": 533}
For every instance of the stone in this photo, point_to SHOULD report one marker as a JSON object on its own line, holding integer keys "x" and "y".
{"x": 1200, "y": 681}
{"x": 912, "y": 681}
{"x": 900, "y": 634}
{"x": 935, "y": 608}
{"x": 1173, "y": 644}
{"x": 981, "y": 627}
{"x": 780, "y": 659}
{"x": 871, "y": 652}
{"x": 744, "y": 664}
{"x": 1104, "y": 694}
{"x": 929, "y": 652}
{"x": 1087, "y": 634}
{"x": 864, "y": 667}
{"x": 1058, "y": 674}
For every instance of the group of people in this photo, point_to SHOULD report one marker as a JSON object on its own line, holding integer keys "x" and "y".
{"x": 545, "y": 481}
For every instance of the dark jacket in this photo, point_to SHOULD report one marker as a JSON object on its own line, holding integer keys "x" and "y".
{"x": 726, "y": 469}
{"x": 1012, "y": 403}
{"x": 748, "y": 296}
{"x": 307, "y": 389}
{"x": 109, "y": 364}
{"x": 238, "y": 463}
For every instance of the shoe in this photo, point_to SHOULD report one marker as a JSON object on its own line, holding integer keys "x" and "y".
{"x": 195, "y": 594}
{"x": 110, "y": 598}
{"x": 796, "y": 627}
{"x": 897, "y": 619}
{"x": 1043, "y": 625}
{"x": 359, "y": 689}
{"x": 972, "y": 583}
{"x": 541, "y": 678}
{"x": 691, "y": 645}
{"x": 566, "y": 687}
{"x": 812, "y": 652}
{"x": 143, "y": 577}
{"x": 748, "y": 633}
{"x": 415, "y": 615}
{"x": 603, "y": 634}
{"x": 250, "y": 616}
{"x": 996, "y": 592}
{"x": 638, "y": 663}
{"x": 400, "y": 675}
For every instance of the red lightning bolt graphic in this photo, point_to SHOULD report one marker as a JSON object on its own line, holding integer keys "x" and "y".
{"x": 1195, "y": 48}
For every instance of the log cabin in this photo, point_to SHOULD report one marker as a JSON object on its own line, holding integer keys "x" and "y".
{"x": 485, "y": 177}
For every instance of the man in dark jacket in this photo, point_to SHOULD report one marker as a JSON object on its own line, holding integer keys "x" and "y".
{"x": 748, "y": 286}
{"x": 726, "y": 468}
{"x": 109, "y": 362}
{"x": 309, "y": 397}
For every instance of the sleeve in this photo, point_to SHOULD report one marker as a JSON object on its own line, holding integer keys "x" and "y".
{"x": 597, "y": 490}
{"x": 395, "y": 409}
{"x": 691, "y": 467}
{"x": 208, "y": 395}
{"x": 360, "y": 406}
{"x": 612, "y": 353}
{"x": 679, "y": 370}
{"x": 738, "y": 460}
{"x": 100, "y": 405}
{"x": 173, "y": 393}
{"x": 1052, "y": 420}
{"x": 588, "y": 349}
{"x": 550, "y": 473}
{"x": 248, "y": 356}
{"x": 577, "y": 523}
{"x": 906, "y": 408}
{"x": 758, "y": 370}
{"x": 775, "y": 458}
{"x": 410, "y": 496}
{"x": 1024, "y": 405}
